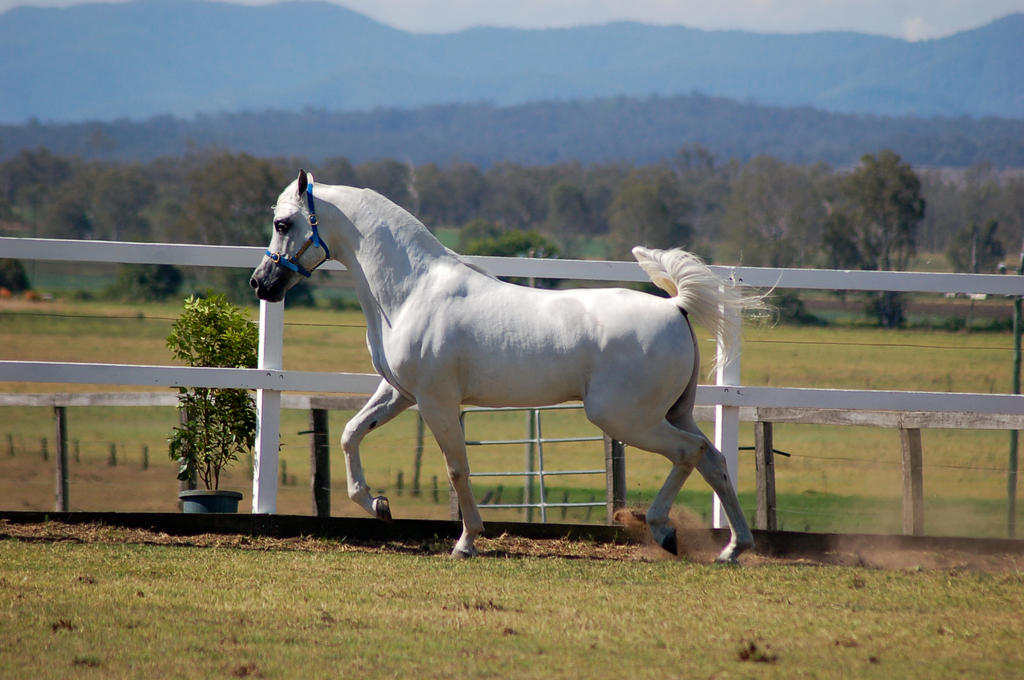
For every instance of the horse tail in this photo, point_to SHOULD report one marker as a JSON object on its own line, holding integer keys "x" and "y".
{"x": 711, "y": 301}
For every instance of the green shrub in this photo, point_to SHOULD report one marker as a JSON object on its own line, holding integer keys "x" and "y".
{"x": 217, "y": 424}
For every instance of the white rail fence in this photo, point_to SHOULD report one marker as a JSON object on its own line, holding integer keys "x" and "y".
{"x": 270, "y": 379}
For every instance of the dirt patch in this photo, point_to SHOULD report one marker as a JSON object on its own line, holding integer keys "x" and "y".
{"x": 500, "y": 546}
{"x": 696, "y": 545}
{"x": 860, "y": 552}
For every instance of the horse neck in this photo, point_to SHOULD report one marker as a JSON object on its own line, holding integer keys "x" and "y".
{"x": 387, "y": 250}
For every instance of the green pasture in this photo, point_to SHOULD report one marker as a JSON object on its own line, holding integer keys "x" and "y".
{"x": 837, "y": 478}
{"x": 125, "y": 610}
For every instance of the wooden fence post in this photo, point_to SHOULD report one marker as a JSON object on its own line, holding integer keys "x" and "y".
{"x": 320, "y": 462}
{"x": 62, "y": 458}
{"x": 614, "y": 476}
{"x": 417, "y": 461}
{"x": 913, "y": 482}
{"x": 764, "y": 463}
{"x": 454, "y": 511}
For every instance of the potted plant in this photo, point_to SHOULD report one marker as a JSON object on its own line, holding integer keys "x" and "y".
{"x": 217, "y": 424}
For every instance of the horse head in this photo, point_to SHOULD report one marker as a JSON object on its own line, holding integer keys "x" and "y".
{"x": 296, "y": 248}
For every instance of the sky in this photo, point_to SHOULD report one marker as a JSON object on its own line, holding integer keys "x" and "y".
{"x": 907, "y": 19}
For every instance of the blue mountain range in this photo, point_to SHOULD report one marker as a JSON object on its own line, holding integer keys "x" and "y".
{"x": 148, "y": 58}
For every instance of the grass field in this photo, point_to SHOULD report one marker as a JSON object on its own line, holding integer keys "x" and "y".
{"x": 838, "y": 478}
{"x": 117, "y": 604}
{"x": 99, "y": 602}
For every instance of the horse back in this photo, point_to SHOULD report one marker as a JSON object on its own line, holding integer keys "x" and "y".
{"x": 511, "y": 345}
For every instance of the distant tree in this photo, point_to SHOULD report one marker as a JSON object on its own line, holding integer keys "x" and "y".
{"x": 32, "y": 185}
{"x": 515, "y": 197}
{"x": 30, "y": 169}
{"x": 885, "y": 195}
{"x": 568, "y": 212}
{"x": 600, "y": 184}
{"x": 976, "y": 250}
{"x": 66, "y": 214}
{"x": 151, "y": 282}
{"x": 840, "y": 242}
{"x": 516, "y": 243}
{"x": 475, "y": 231}
{"x": 513, "y": 243}
{"x": 706, "y": 184}
{"x": 945, "y": 214}
{"x": 228, "y": 200}
{"x": 389, "y": 178}
{"x": 119, "y": 198}
{"x": 301, "y": 295}
{"x": 774, "y": 214}
{"x": 648, "y": 209}
{"x": 1010, "y": 211}
{"x": 435, "y": 204}
{"x": 336, "y": 170}
{"x": 468, "y": 189}
{"x": 695, "y": 159}
{"x": 886, "y": 207}
{"x": 12, "y": 276}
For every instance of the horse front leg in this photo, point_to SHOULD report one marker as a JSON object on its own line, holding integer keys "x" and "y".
{"x": 443, "y": 422}
{"x": 385, "y": 404}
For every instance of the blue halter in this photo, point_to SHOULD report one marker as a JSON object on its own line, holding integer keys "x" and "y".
{"x": 292, "y": 262}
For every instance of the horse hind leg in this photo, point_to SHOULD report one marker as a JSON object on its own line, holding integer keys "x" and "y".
{"x": 662, "y": 530}
{"x": 683, "y": 449}
{"x": 384, "y": 405}
{"x": 713, "y": 468}
{"x": 715, "y": 471}
{"x": 686, "y": 446}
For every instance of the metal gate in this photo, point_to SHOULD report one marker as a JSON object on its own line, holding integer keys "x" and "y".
{"x": 534, "y": 467}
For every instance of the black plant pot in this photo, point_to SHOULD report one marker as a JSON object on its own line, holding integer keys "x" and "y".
{"x": 204, "y": 500}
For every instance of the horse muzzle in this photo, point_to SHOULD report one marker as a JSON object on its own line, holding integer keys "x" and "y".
{"x": 268, "y": 283}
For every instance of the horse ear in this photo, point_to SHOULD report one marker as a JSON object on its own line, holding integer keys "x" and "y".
{"x": 303, "y": 182}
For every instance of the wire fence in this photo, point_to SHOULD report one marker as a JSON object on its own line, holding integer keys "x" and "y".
{"x": 140, "y": 317}
{"x": 100, "y": 466}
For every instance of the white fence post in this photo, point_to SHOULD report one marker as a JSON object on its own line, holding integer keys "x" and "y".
{"x": 268, "y": 407}
{"x": 727, "y": 422}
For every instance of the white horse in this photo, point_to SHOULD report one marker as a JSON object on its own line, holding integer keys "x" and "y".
{"x": 443, "y": 333}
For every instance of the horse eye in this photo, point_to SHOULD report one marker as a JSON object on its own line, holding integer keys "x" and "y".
{"x": 282, "y": 225}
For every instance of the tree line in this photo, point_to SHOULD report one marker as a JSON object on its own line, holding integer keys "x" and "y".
{"x": 761, "y": 212}
{"x": 646, "y": 130}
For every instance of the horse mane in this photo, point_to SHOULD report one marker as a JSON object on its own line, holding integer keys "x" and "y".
{"x": 401, "y": 222}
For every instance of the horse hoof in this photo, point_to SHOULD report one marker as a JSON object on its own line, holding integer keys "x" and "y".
{"x": 727, "y": 560}
{"x": 382, "y": 508}
{"x": 463, "y": 553}
{"x": 668, "y": 542}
